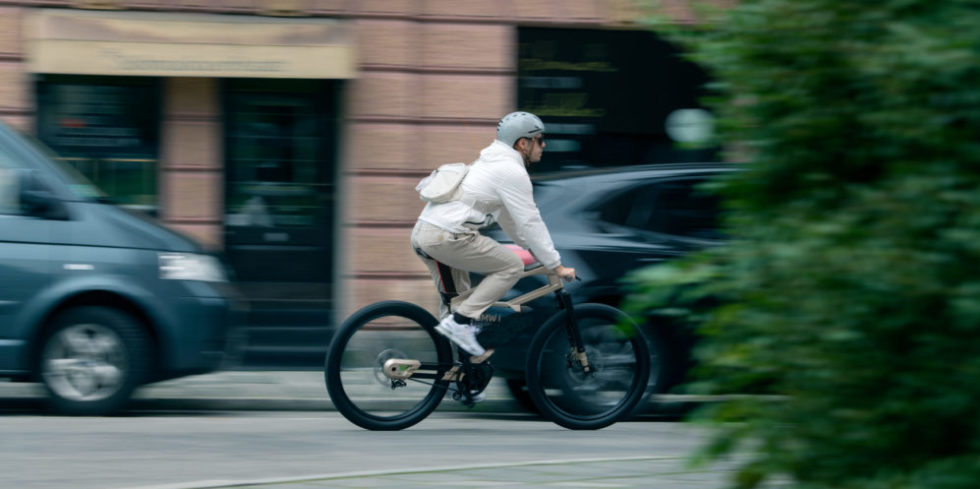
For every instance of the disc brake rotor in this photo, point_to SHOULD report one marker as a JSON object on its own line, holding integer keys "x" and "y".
{"x": 379, "y": 364}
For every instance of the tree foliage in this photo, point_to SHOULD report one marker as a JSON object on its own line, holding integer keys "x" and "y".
{"x": 851, "y": 283}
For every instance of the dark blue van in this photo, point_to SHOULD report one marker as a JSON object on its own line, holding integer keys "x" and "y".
{"x": 96, "y": 300}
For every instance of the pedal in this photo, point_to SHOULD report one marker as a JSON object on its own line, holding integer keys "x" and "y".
{"x": 481, "y": 358}
{"x": 466, "y": 397}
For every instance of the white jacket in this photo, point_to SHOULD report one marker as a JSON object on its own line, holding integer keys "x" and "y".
{"x": 497, "y": 188}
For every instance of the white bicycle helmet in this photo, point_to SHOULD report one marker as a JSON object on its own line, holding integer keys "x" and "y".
{"x": 518, "y": 125}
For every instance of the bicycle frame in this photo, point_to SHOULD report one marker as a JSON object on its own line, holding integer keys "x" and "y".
{"x": 576, "y": 385}
{"x": 554, "y": 284}
{"x": 564, "y": 302}
{"x": 399, "y": 369}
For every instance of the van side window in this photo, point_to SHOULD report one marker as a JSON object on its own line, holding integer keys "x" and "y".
{"x": 681, "y": 209}
{"x": 676, "y": 208}
{"x": 9, "y": 187}
{"x": 619, "y": 209}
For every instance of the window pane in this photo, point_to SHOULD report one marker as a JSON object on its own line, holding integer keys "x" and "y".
{"x": 274, "y": 143}
{"x": 108, "y": 129}
{"x": 9, "y": 189}
{"x": 683, "y": 210}
{"x": 618, "y": 209}
{"x": 10, "y": 168}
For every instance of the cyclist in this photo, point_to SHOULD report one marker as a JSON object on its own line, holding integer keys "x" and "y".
{"x": 497, "y": 188}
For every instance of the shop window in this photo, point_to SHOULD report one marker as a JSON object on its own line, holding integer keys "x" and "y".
{"x": 107, "y": 128}
{"x": 612, "y": 98}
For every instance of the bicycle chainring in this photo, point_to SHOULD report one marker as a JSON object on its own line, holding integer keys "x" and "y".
{"x": 478, "y": 377}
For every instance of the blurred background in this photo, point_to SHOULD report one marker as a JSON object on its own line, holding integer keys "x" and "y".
{"x": 287, "y": 137}
{"x": 289, "y": 134}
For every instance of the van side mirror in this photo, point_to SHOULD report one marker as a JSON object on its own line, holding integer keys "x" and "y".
{"x": 37, "y": 199}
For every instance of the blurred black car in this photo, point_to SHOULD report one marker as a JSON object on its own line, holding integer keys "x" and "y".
{"x": 607, "y": 223}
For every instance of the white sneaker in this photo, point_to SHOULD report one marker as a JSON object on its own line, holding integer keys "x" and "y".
{"x": 463, "y": 335}
{"x": 478, "y": 397}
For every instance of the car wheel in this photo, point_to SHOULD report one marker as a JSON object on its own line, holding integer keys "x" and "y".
{"x": 518, "y": 389}
{"x": 92, "y": 359}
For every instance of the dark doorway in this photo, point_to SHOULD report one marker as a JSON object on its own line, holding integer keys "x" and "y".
{"x": 280, "y": 153}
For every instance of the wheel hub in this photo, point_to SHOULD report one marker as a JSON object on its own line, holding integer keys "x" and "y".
{"x": 595, "y": 365}
{"x": 84, "y": 362}
{"x": 379, "y": 365}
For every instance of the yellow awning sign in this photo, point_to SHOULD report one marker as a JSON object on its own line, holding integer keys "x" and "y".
{"x": 182, "y": 44}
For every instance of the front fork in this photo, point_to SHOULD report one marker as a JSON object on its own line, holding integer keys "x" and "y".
{"x": 577, "y": 352}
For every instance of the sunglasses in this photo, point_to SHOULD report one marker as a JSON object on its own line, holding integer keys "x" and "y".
{"x": 539, "y": 140}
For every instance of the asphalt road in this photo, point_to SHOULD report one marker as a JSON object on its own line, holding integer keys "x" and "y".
{"x": 188, "y": 449}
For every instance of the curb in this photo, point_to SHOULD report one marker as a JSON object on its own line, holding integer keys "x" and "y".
{"x": 285, "y": 404}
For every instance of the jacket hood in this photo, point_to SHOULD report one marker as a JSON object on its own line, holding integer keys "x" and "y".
{"x": 499, "y": 150}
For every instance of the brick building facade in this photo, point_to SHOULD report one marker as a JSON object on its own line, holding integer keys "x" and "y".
{"x": 429, "y": 80}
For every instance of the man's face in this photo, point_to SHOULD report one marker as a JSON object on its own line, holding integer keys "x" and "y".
{"x": 534, "y": 147}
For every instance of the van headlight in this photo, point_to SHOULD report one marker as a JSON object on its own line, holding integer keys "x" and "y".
{"x": 190, "y": 266}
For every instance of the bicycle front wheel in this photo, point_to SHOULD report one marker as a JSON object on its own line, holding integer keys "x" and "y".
{"x": 619, "y": 360}
{"x": 354, "y": 365}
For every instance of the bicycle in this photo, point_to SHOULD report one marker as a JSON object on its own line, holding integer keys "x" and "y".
{"x": 388, "y": 369}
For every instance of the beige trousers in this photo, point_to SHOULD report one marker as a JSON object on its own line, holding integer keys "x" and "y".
{"x": 451, "y": 256}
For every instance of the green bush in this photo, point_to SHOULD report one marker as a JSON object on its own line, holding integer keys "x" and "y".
{"x": 851, "y": 283}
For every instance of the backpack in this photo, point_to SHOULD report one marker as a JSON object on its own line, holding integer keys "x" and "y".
{"x": 443, "y": 184}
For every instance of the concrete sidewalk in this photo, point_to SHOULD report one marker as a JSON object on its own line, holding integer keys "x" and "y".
{"x": 299, "y": 390}
{"x": 278, "y": 390}
{"x": 242, "y": 390}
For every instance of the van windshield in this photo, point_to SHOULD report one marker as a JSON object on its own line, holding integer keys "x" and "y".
{"x": 77, "y": 182}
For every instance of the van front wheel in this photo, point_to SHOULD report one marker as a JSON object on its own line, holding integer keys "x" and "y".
{"x": 92, "y": 359}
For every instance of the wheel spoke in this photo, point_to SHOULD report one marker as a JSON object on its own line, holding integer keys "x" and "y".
{"x": 62, "y": 366}
{"x": 76, "y": 341}
{"x": 107, "y": 376}
{"x": 83, "y": 382}
{"x": 104, "y": 346}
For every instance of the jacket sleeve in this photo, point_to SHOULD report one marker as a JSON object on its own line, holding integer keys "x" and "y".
{"x": 521, "y": 215}
{"x": 507, "y": 224}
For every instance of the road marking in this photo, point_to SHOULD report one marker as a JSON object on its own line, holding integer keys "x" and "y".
{"x": 215, "y": 484}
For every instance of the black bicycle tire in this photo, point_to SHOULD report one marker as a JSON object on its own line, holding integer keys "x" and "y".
{"x": 339, "y": 397}
{"x": 585, "y": 422}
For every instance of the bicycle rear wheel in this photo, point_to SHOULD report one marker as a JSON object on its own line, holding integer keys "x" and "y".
{"x": 353, "y": 369}
{"x": 567, "y": 394}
